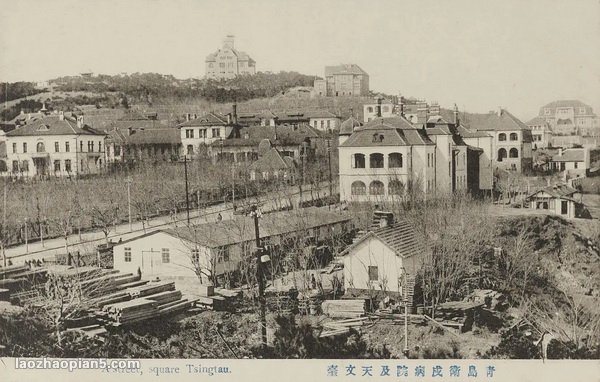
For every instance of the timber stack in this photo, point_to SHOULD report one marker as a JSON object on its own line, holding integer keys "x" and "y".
{"x": 344, "y": 308}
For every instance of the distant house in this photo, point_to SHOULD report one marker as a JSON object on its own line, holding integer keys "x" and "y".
{"x": 557, "y": 200}
{"x": 323, "y": 120}
{"x": 273, "y": 165}
{"x": 229, "y": 62}
{"x": 541, "y": 133}
{"x": 573, "y": 163}
{"x": 380, "y": 259}
{"x": 217, "y": 248}
{"x": 205, "y": 130}
{"x": 343, "y": 80}
{"x": 381, "y": 108}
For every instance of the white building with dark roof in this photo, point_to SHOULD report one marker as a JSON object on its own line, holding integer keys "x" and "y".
{"x": 229, "y": 62}
{"x": 541, "y": 133}
{"x": 54, "y": 145}
{"x": 343, "y": 80}
{"x": 570, "y": 117}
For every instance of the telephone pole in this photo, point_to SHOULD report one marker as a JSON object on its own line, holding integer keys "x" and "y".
{"x": 128, "y": 182}
{"x": 4, "y": 225}
{"x": 187, "y": 198}
{"x": 259, "y": 278}
{"x": 330, "y": 176}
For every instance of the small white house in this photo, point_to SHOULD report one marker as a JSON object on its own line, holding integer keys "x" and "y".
{"x": 556, "y": 200}
{"x": 382, "y": 258}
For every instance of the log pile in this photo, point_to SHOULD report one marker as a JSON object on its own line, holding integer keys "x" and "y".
{"x": 128, "y": 312}
{"x": 337, "y": 327}
{"x": 344, "y": 308}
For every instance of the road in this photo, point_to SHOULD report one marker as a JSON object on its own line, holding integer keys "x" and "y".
{"x": 87, "y": 242}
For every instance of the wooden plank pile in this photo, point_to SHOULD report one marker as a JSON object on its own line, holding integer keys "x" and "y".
{"x": 398, "y": 318}
{"x": 457, "y": 315}
{"x": 344, "y": 308}
{"x": 219, "y": 299}
{"x": 337, "y": 327}
{"x": 128, "y": 312}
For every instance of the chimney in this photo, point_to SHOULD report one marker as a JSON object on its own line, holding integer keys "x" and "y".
{"x": 456, "y": 120}
{"x": 228, "y": 42}
{"x": 130, "y": 131}
{"x": 560, "y": 151}
{"x": 422, "y": 113}
{"x": 80, "y": 122}
{"x": 28, "y": 116}
{"x": 382, "y": 219}
{"x": 61, "y": 116}
{"x": 187, "y": 116}
{"x": 378, "y": 107}
{"x": 499, "y": 111}
{"x": 229, "y": 119}
{"x": 195, "y": 116}
{"x": 234, "y": 113}
{"x": 435, "y": 108}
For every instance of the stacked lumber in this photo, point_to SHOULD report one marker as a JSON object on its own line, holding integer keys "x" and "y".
{"x": 337, "y": 327}
{"x": 398, "y": 318}
{"x": 165, "y": 297}
{"x": 343, "y": 308}
{"x": 90, "y": 330}
{"x": 128, "y": 312}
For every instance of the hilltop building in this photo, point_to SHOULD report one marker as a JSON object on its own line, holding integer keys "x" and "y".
{"x": 343, "y": 80}
{"x": 229, "y": 62}
{"x": 541, "y": 133}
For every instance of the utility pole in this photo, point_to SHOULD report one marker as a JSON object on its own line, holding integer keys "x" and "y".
{"x": 405, "y": 351}
{"x": 4, "y": 223}
{"x": 259, "y": 278}
{"x": 26, "y": 238}
{"x": 128, "y": 182}
{"x": 187, "y": 198}
{"x": 330, "y": 176}
{"x": 233, "y": 186}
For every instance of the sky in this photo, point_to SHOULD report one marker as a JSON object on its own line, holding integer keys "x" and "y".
{"x": 478, "y": 54}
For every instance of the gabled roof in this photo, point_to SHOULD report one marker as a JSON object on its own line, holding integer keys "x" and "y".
{"x": 469, "y": 133}
{"x": 210, "y": 119}
{"x": 537, "y": 121}
{"x": 167, "y": 135}
{"x": 241, "y": 229}
{"x": 321, "y": 114}
{"x": 53, "y": 125}
{"x": 347, "y": 127}
{"x": 396, "y": 131}
{"x": 576, "y": 104}
{"x": 272, "y": 160}
{"x": 399, "y": 237}
{"x": 557, "y": 191}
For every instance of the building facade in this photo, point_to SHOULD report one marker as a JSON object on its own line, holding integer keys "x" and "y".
{"x": 541, "y": 133}
{"x": 54, "y": 145}
{"x": 201, "y": 132}
{"x": 229, "y": 62}
{"x": 571, "y": 117}
{"x": 343, "y": 80}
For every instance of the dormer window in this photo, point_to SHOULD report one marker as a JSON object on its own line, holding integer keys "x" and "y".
{"x": 43, "y": 128}
{"x": 377, "y": 137}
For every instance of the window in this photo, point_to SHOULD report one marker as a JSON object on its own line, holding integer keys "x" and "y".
{"x": 373, "y": 273}
{"x": 90, "y": 146}
{"x": 315, "y": 124}
{"x": 57, "y": 166}
{"x": 202, "y": 133}
{"x": 378, "y": 137}
{"x": 15, "y": 166}
{"x": 514, "y": 137}
{"x": 396, "y": 187}
{"x": 575, "y": 164}
{"x": 322, "y": 125}
{"x": 216, "y": 133}
{"x": 40, "y": 147}
{"x": 190, "y": 150}
{"x": 501, "y": 137}
{"x": 68, "y": 165}
{"x": 376, "y": 160}
{"x": 67, "y": 147}
{"x": 376, "y": 188}
{"x": 14, "y": 148}
{"x": 358, "y": 161}
{"x": 189, "y": 133}
{"x": 369, "y": 109}
{"x": 223, "y": 255}
{"x": 358, "y": 188}
{"x": 25, "y": 166}
{"x": 117, "y": 150}
{"x": 24, "y": 147}
{"x": 547, "y": 111}
{"x": 501, "y": 154}
{"x": 195, "y": 256}
{"x": 81, "y": 146}
{"x": 329, "y": 124}
{"x": 582, "y": 110}
{"x": 513, "y": 153}
{"x": 56, "y": 147}
{"x": 100, "y": 146}
{"x": 395, "y": 160}
{"x": 165, "y": 256}
{"x": 127, "y": 254}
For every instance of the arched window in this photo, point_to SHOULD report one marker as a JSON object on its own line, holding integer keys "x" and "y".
{"x": 395, "y": 160}
{"x": 396, "y": 187}
{"x": 501, "y": 154}
{"x": 514, "y": 137}
{"x": 369, "y": 109}
{"x": 25, "y": 166}
{"x": 358, "y": 188}
{"x": 3, "y": 167}
{"x": 376, "y": 160}
{"x": 358, "y": 160}
{"x": 501, "y": 137}
{"x": 190, "y": 150}
{"x": 40, "y": 147}
{"x": 376, "y": 188}
{"x": 513, "y": 153}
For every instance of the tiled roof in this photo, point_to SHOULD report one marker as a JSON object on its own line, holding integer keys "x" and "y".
{"x": 565, "y": 103}
{"x": 399, "y": 236}
{"x": 167, "y": 135}
{"x": 537, "y": 121}
{"x": 391, "y": 137}
{"x": 343, "y": 69}
{"x": 271, "y": 160}
{"x": 570, "y": 155}
{"x": 241, "y": 228}
{"x": 557, "y": 191}
{"x": 469, "y": 133}
{"x": 53, "y": 125}
{"x": 286, "y": 135}
{"x": 133, "y": 115}
{"x": 347, "y": 127}
{"x": 321, "y": 114}
{"x": 393, "y": 122}
{"x": 210, "y": 119}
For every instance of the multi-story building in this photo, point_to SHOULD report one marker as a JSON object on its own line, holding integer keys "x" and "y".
{"x": 541, "y": 133}
{"x": 512, "y": 139}
{"x": 229, "y": 62}
{"x": 384, "y": 159}
{"x": 570, "y": 117}
{"x": 343, "y": 80}
{"x": 324, "y": 120}
{"x": 54, "y": 145}
{"x": 378, "y": 109}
